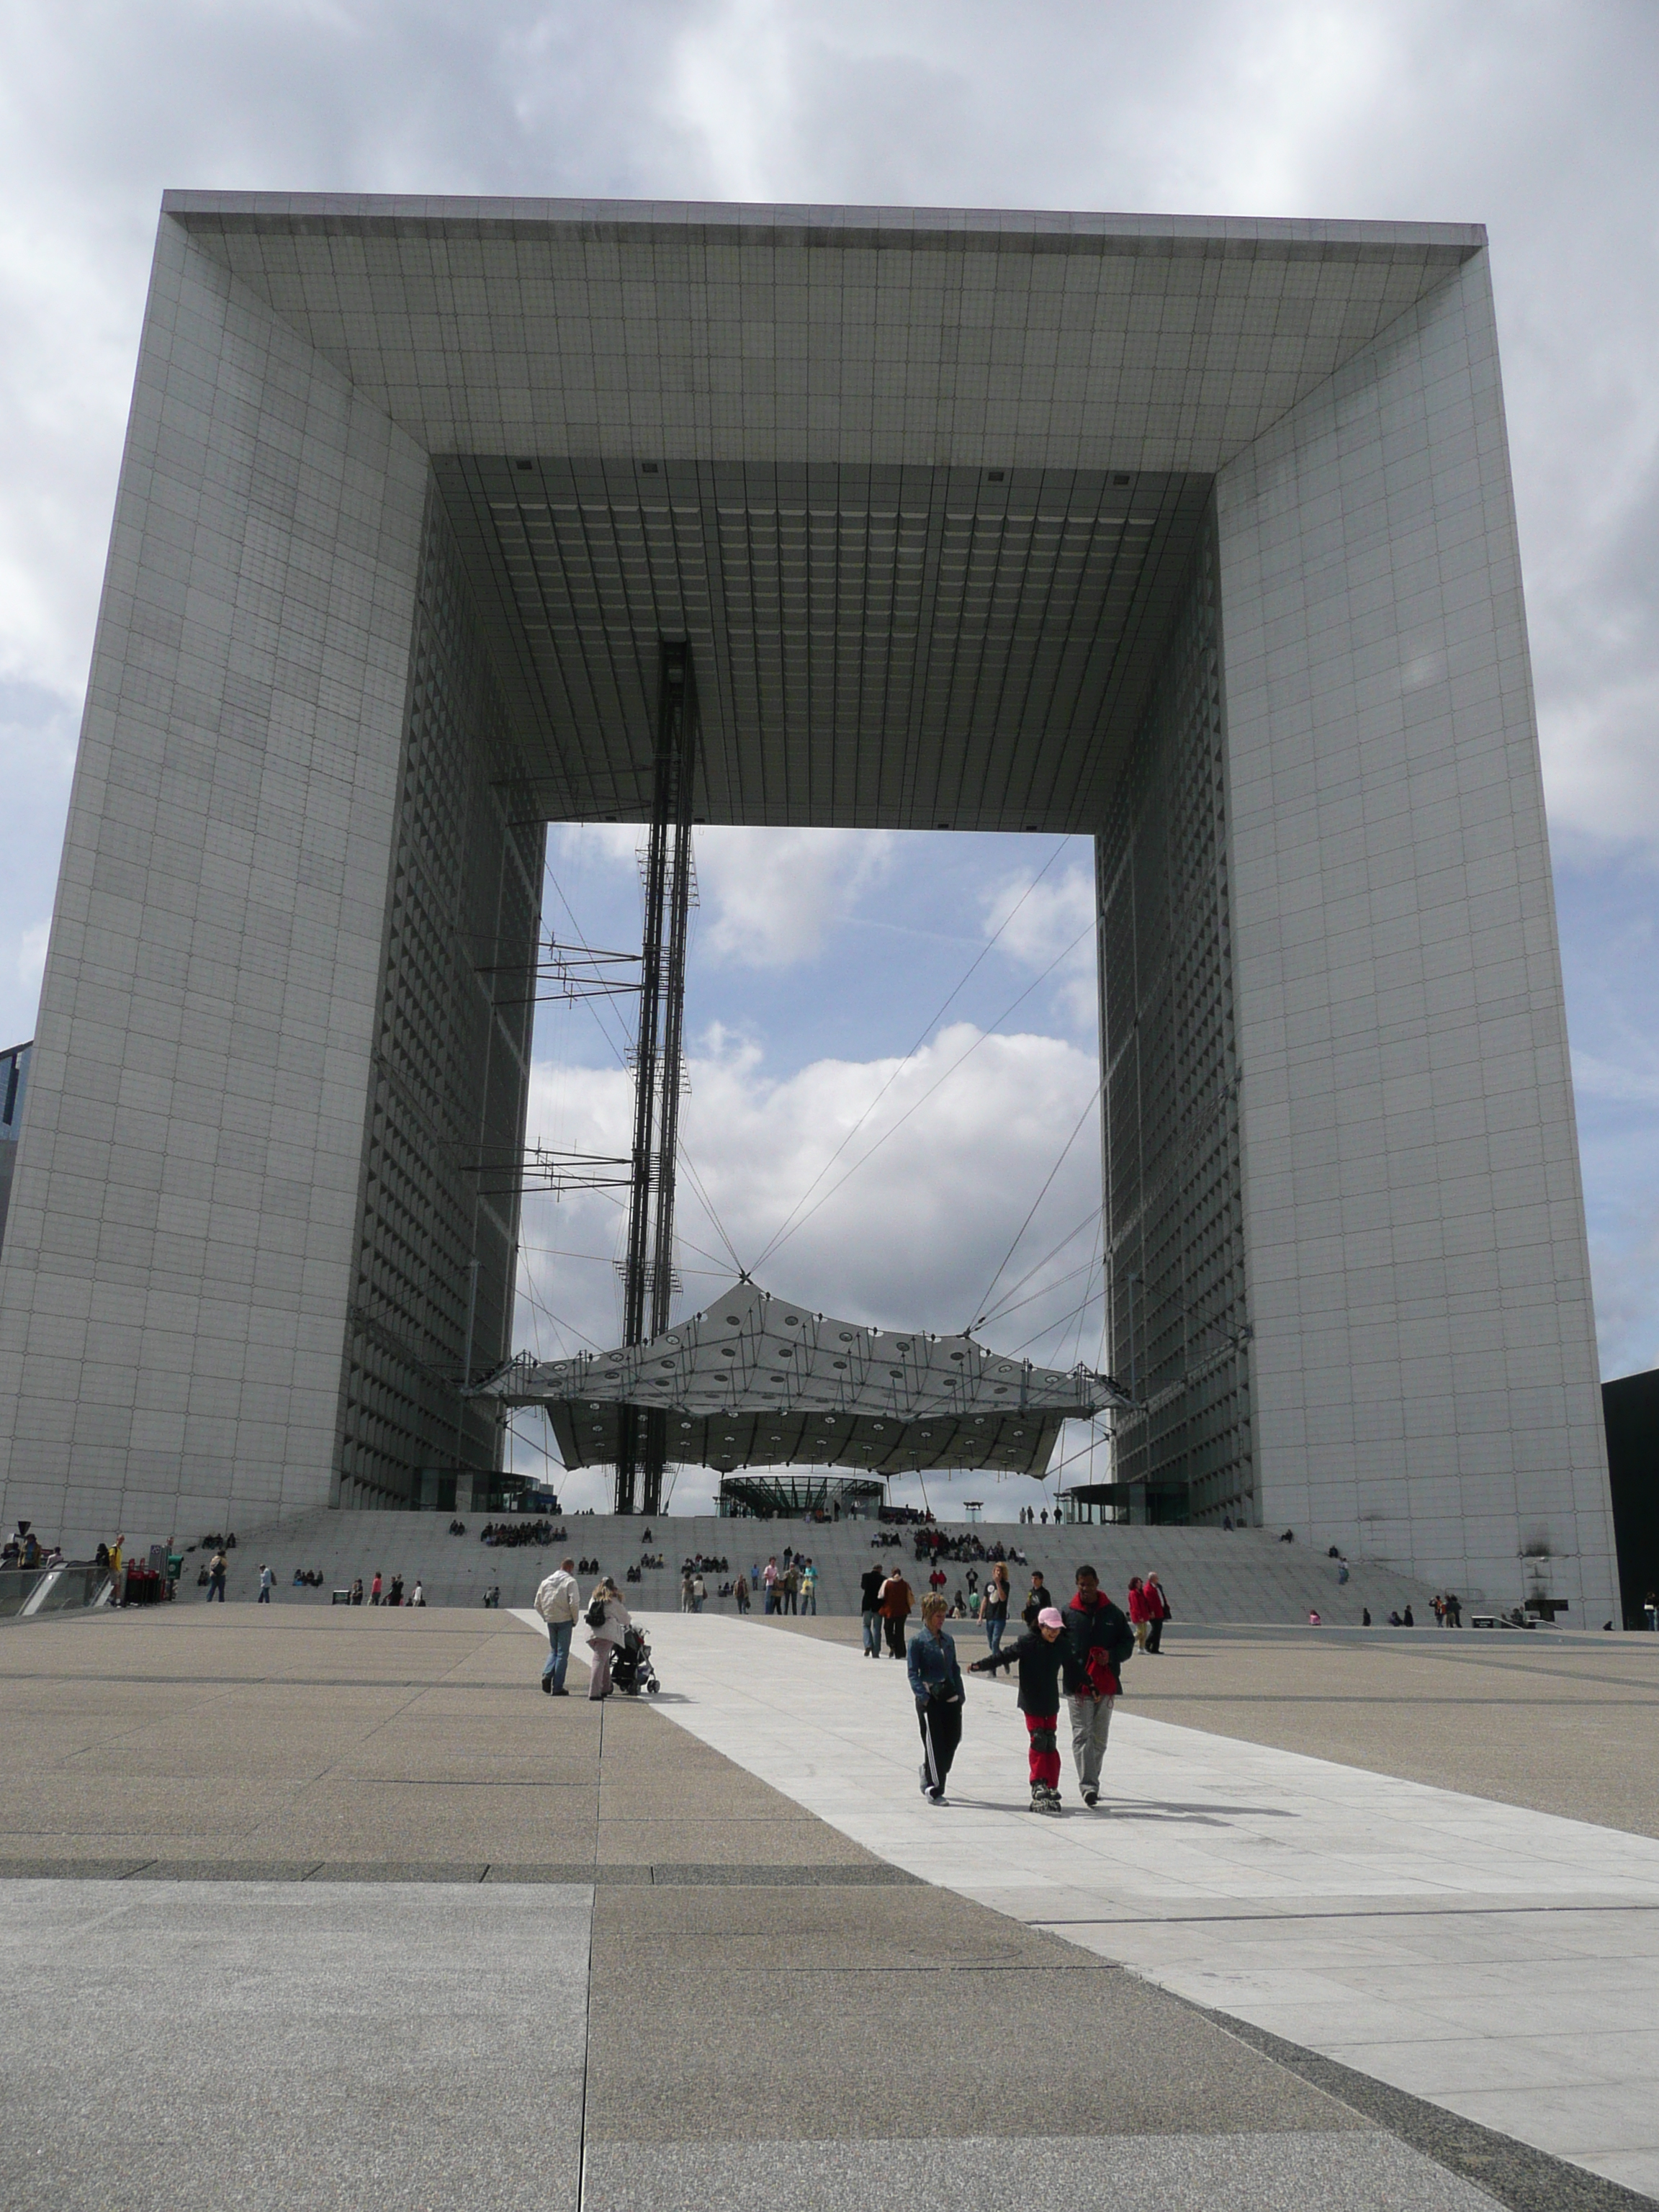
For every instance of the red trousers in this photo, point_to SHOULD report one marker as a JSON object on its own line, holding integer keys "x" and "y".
{"x": 1044, "y": 1748}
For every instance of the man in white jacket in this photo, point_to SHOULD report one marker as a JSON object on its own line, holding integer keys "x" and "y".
{"x": 559, "y": 1601}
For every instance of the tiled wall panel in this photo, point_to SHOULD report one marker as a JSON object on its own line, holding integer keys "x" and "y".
{"x": 178, "y": 1265}
{"x": 1425, "y": 1386}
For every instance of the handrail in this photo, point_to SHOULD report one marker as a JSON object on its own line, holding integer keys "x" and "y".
{"x": 66, "y": 1585}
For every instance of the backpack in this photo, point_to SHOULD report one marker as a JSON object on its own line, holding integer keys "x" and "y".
{"x": 596, "y": 1613}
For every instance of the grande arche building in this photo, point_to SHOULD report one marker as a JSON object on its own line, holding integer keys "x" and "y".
{"x": 1195, "y": 536}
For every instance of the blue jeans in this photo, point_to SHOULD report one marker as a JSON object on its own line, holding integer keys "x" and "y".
{"x": 215, "y": 1589}
{"x": 873, "y": 1635}
{"x": 808, "y": 1600}
{"x": 993, "y": 1632}
{"x": 559, "y": 1633}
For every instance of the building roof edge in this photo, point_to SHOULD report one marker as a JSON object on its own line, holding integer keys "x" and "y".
{"x": 1012, "y": 226}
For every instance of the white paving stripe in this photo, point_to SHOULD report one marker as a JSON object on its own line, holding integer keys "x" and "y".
{"x": 1500, "y": 1962}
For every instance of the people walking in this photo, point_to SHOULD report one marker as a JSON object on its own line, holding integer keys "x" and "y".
{"x": 1037, "y": 1598}
{"x": 1137, "y": 1610}
{"x": 809, "y": 1590}
{"x": 770, "y": 1580}
{"x": 870, "y": 1582}
{"x": 897, "y": 1602}
{"x": 1040, "y": 1655}
{"x": 419, "y": 1597}
{"x": 685, "y": 1589}
{"x": 935, "y": 1686}
{"x": 218, "y": 1567}
{"x": 559, "y": 1601}
{"x": 1099, "y": 1641}
{"x": 608, "y": 1623}
{"x": 993, "y": 1607}
{"x": 374, "y": 1589}
{"x": 740, "y": 1592}
{"x": 267, "y": 1578}
{"x": 1158, "y": 1611}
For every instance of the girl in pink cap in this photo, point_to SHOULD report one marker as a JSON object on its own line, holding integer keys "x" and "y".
{"x": 1040, "y": 1655}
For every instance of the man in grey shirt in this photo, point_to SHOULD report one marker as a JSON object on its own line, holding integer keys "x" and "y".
{"x": 559, "y": 1601}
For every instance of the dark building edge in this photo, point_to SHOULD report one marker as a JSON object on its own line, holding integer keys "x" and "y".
{"x": 1177, "y": 1315}
{"x": 1630, "y": 1409}
{"x": 436, "y": 1246}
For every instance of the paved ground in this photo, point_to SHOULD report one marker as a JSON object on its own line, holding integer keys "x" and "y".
{"x": 1563, "y": 1723}
{"x": 1499, "y": 1962}
{"x": 322, "y": 1909}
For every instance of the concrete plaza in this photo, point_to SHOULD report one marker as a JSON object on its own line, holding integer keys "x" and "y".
{"x": 330, "y": 1908}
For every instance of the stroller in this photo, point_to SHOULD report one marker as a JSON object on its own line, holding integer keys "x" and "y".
{"x": 631, "y": 1670}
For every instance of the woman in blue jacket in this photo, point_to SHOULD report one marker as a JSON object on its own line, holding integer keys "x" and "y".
{"x": 935, "y": 1686}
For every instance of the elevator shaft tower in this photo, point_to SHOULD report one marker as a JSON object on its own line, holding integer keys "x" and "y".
{"x": 648, "y": 1270}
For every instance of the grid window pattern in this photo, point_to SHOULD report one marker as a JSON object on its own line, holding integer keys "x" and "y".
{"x": 1174, "y": 1198}
{"x": 437, "y": 1239}
{"x": 893, "y": 649}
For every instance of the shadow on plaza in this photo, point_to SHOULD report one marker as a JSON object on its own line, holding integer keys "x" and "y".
{"x": 1197, "y": 1816}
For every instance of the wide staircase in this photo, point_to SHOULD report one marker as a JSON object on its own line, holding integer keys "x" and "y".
{"x": 1210, "y": 1576}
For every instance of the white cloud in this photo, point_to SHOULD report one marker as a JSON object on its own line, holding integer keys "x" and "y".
{"x": 1626, "y": 1271}
{"x": 31, "y": 954}
{"x": 770, "y": 896}
{"x": 1048, "y": 920}
{"x": 767, "y": 898}
{"x": 1593, "y": 1078}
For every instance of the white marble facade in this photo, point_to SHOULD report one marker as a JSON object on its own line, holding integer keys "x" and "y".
{"x": 177, "y": 1263}
{"x": 1424, "y": 1371}
{"x": 178, "y": 1266}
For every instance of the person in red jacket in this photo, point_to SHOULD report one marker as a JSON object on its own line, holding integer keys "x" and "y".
{"x": 1099, "y": 1641}
{"x": 896, "y": 1602}
{"x": 1138, "y": 1619}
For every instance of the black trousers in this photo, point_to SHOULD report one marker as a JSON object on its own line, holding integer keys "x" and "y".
{"x": 1154, "y": 1635}
{"x": 895, "y": 1636}
{"x": 941, "y": 1732}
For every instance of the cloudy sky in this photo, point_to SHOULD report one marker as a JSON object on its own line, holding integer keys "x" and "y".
{"x": 821, "y": 962}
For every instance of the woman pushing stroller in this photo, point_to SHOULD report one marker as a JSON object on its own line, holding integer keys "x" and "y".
{"x": 608, "y": 1623}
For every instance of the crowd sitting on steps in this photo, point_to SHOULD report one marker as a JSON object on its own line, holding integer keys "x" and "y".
{"x": 513, "y": 1532}
{"x": 933, "y": 1543}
